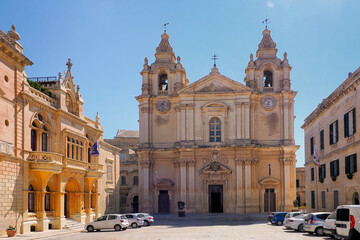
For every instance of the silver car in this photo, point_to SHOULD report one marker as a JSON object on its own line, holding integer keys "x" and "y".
{"x": 314, "y": 223}
{"x": 147, "y": 218}
{"x": 134, "y": 220}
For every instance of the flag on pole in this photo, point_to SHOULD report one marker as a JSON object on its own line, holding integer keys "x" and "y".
{"x": 316, "y": 157}
{"x": 156, "y": 177}
{"x": 95, "y": 149}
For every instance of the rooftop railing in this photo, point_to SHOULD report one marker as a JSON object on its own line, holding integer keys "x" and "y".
{"x": 6, "y": 147}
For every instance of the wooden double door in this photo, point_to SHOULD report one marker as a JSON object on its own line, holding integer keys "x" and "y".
{"x": 269, "y": 200}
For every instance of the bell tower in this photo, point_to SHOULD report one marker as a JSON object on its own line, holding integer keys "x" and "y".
{"x": 268, "y": 73}
{"x": 166, "y": 76}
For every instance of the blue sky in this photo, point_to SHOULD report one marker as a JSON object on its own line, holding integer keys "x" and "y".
{"x": 108, "y": 41}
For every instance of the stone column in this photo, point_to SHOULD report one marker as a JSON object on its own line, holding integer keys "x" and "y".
{"x": 286, "y": 120}
{"x": 287, "y": 192}
{"x": 192, "y": 203}
{"x": 247, "y": 120}
{"x": 248, "y": 186}
{"x": 178, "y": 122}
{"x": 145, "y": 164}
{"x": 183, "y": 122}
{"x": 183, "y": 181}
{"x": 190, "y": 122}
{"x": 239, "y": 186}
{"x": 238, "y": 120}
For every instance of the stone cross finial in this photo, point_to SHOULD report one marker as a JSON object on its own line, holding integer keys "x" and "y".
{"x": 97, "y": 117}
{"x": 178, "y": 59}
{"x": 251, "y": 57}
{"x": 69, "y": 64}
{"x": 78, "y": 88}
{"x": 285, "y": 56}
{"x": 146, "y": 61}
{"x": 214, "y": 57}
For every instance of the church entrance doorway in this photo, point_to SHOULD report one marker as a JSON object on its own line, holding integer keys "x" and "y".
{"x": 163, "y": 202}
{"x": 215, "y": 198}
{"x": 66, "y": 212}
{"x": 269, "y": 200}
{"x": 135, "y": 204}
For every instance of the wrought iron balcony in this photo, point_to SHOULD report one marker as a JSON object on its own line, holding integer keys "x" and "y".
{"x": 6, "y": 148}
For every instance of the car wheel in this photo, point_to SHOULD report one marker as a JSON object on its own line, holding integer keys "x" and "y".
{"x": 117, "y": 227}
{"x": 279, "y": 223}
{"x": 146, "y": 223}
{"x": 90, "y": 228}
{"x": 300, "y": 227}
{"x": 319, "y": 231}
{"x": 134, "y": 225}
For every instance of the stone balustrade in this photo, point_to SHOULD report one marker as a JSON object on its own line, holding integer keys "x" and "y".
{"x": 45, "y": 157}
{"x": 6, "y": 148}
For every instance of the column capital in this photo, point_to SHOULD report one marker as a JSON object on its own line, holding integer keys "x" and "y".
{"x": 190, "y": 106}
{"x": 182, "y": 162}
{"x": 287, "y": 161}
{"x": 191, "y": 162}
{"x": 145, "y": 163}
{"x": 183, "y": 106}
{"x": 177, "y": 108}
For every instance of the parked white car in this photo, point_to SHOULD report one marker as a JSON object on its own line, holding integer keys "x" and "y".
{"x": 347, "y": 221}
{"x": 330, "y": 225}
{"x": 147, "y": 218}
{"x": 111, "y": 221}
{"x": 290, "y": 215}
{"x": 296, "y": 223}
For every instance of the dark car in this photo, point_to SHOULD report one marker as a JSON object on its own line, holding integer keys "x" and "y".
{"x": 278, "y": 218}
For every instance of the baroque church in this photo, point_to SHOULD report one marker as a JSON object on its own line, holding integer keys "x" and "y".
{"x": 216, "y": 144}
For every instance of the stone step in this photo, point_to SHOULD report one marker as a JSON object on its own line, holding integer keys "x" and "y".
{"x": 71, "y": 224}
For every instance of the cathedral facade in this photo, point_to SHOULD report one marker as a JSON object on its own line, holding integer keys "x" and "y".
{"x": 216, "y": 144}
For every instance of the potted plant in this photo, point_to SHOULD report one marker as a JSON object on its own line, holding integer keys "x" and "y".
{"x": 321, "y": 180}
{"x": 333, "y": 178}
{"x": 349, "y": 175}
{"x": 11, "y": 231}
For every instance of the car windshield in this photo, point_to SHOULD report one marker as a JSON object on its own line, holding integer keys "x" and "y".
{"x": 302, "y": 216}
{"x": 332, "y": 215}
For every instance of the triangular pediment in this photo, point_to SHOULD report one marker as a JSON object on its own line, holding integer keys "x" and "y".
{"x": 215, "y": 83}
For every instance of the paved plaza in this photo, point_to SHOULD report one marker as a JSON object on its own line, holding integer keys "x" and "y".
{"x": 206, "y": 227}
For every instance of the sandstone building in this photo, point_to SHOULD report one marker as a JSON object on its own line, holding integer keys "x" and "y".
{"x": 300, "y": 186}
{"x": 46, "y": 172}
{"x": 331, "y": 127}
{"x": 217, "y": 144}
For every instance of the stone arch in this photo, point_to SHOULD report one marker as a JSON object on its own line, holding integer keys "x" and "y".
{"x": 164, "y": 85}
{"x": 164, "y": 190}
{"x": 73, "y": 201}
{"x": 73, "y": 185}
{"x": 351, "y": 194}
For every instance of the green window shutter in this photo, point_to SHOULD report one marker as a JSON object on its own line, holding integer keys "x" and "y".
{"x": 354, "y": 120}
{"x": 332, "y": 173}
{"x": 322, "y": 139}
{"x": 337, "y": 132}
{"x": 337, "y": 167}
{"x": 354, "y": 162}
{"x": 324, "y": 170}
{"x": 312, "y": 146}
{"x": 346, "y": 125}
{"x": 331, "y": 134}
{"x": 347, "y": 164}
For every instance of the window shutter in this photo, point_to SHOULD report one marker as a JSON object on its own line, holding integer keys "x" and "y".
{"x": 346, "y": 125}
{"x": 332, "y": 173}
{"x": 320, "y": 173}
{"x": 331, "y": 133}
{"x": 354, "y": 162}
{"x": 354, "y": 120}
{"x": 337, "y": 167}
{"x": 312, "y": 146}
{"x": 322, "y": 139}
{"x": 324, "y": 170}
{"x": 347, "y": 164}
{"x": 337, "y": 132}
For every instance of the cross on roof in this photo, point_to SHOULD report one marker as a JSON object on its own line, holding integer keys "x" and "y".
{"x": 69, "y": 64}
{"x": 214, "y": 57}
{"x": 165, "y": 25}
{"x": 266, "y": 22}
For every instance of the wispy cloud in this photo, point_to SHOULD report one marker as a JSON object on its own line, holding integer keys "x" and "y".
{"x": 270, "y": 4}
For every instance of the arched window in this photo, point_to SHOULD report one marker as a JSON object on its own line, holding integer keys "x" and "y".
{"x": 163, "y": 82}
{"x": 33, "y": 140}
{"x": 47, "y": 199}
{"x": 31, "y": 199}
{"x": 268, "y": 80}
{"x": 215, "y": 130}
{"x": 356, "y": 198}
{"x": 40, "y": 130}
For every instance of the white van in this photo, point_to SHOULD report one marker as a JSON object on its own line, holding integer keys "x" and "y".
{"x": 347, "y": 221}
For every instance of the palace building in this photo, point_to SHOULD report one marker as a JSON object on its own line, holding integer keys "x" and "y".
{"x": 331, "y": 134}
{"x": 217, "y": 144}
{"x": 47, "y": 174}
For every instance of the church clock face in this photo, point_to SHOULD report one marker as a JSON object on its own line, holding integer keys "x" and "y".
{"x": 268, "y": 102}
{"x": 163, "y": 106}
